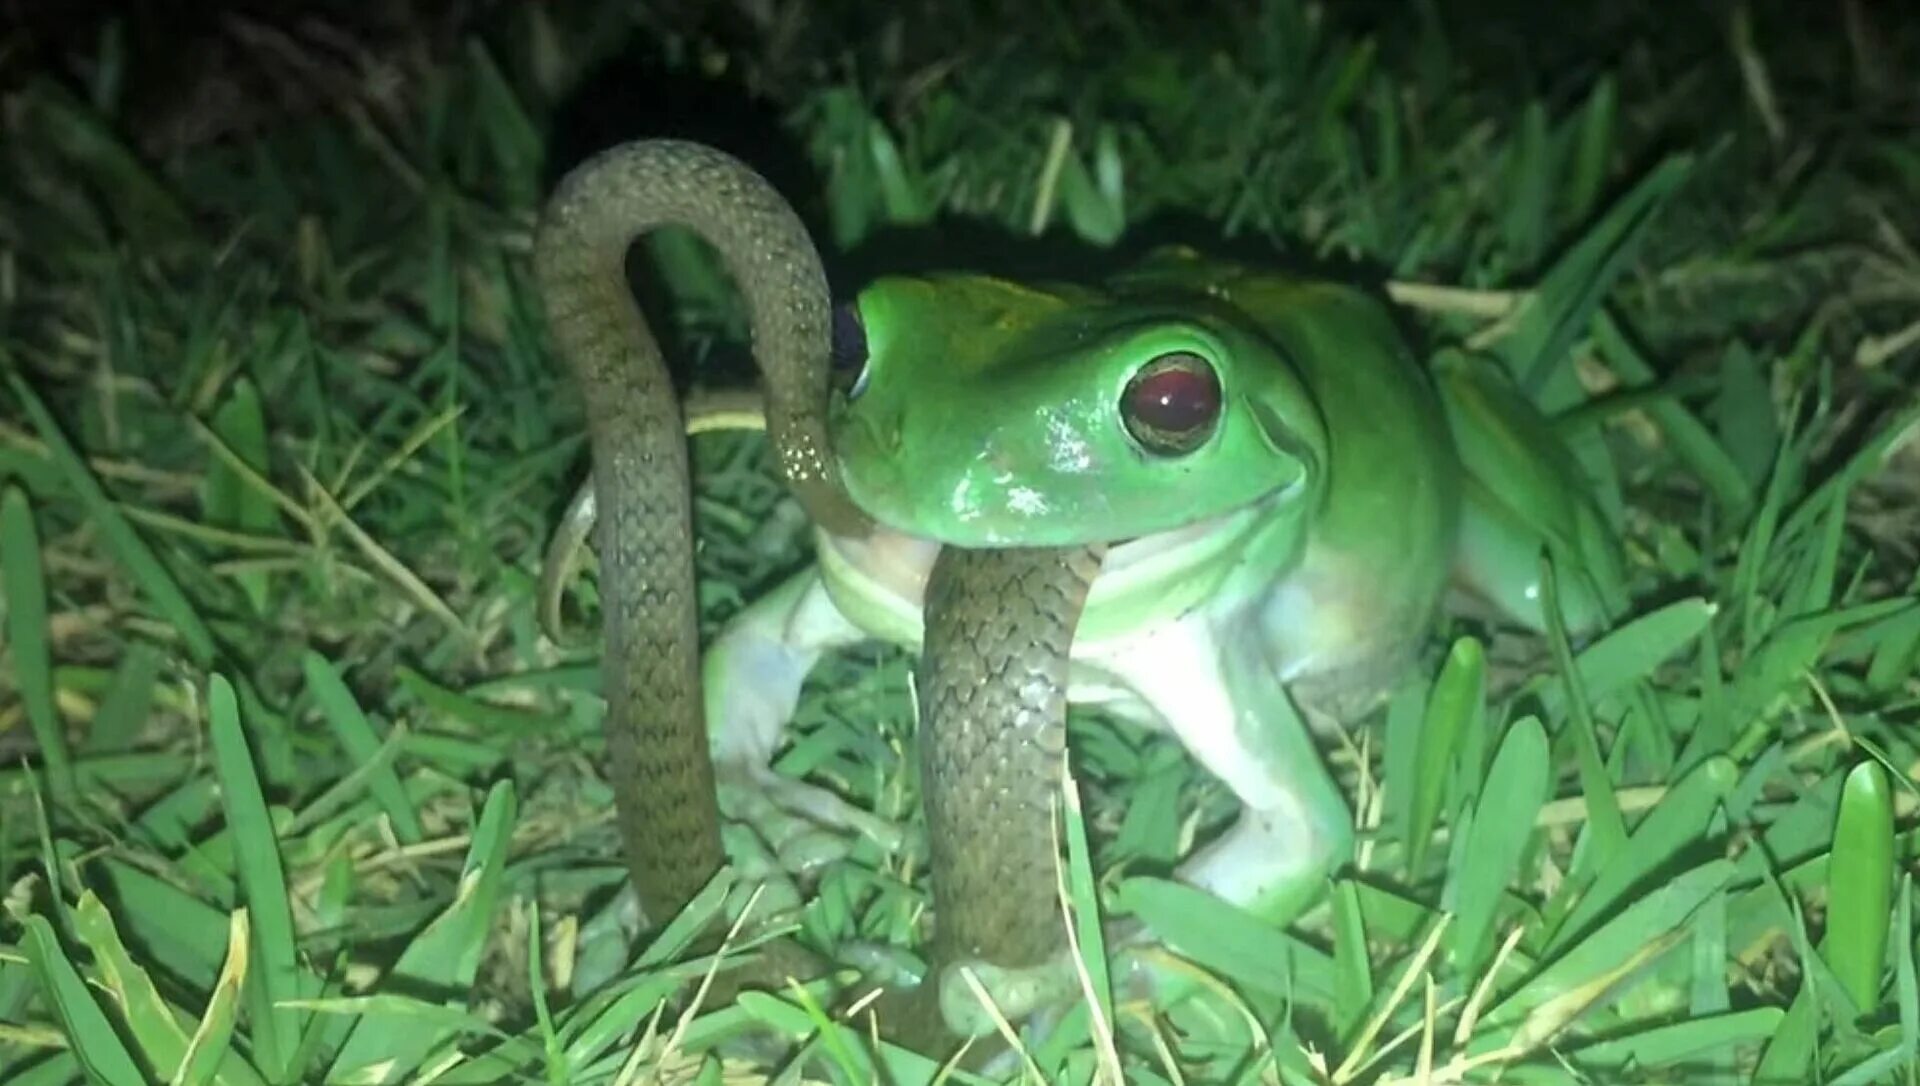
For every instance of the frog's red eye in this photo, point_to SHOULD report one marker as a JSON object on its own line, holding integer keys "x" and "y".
{"x": 1172, "y": 405}
{"x": 849, "y": 349}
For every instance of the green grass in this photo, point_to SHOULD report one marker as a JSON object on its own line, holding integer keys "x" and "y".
{"x": 295, "y": 791}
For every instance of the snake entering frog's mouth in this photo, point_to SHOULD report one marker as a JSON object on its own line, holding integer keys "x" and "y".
{"x": 898, "y": 563}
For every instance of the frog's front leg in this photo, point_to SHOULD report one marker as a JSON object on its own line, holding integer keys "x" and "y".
{"x": 1216, "y": 690}
{"x": 1211, "y": 683}
{"x": 753, "y": 674}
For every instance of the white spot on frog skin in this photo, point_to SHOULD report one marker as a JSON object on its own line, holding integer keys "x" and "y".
{"x": 962, "y": 504}
{"x": 1026, "y": 501}
{"x": 1068, "y": 450}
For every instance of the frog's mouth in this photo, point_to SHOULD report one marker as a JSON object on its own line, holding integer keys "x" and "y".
{"x": 1141, "y": 549}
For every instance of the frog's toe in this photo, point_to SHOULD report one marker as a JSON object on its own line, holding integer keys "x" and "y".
{"x": 883, "y": 966}
{"x": 1274, "y": 863}
{"x": 813, "y": 802}
{"x": 774, "y": 837}
{"x": 760, "y": 870}
{"x": 1015, "y": 994}
{"x": 804, "y": 825}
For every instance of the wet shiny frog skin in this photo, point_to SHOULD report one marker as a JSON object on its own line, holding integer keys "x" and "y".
{"x": 1287, "y": 492}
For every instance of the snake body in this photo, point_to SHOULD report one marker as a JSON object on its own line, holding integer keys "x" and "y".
{"x": 998, "y": 623}
{"x": 657, "y": 748}
{"x": 993, "y": 742}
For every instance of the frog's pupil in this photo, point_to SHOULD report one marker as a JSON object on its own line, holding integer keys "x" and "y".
{"x": 1176, "y": 400}
{"x": 1173, "y": 402}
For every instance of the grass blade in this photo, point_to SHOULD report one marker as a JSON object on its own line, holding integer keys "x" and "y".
{"x": 93, "y": 1039}
{"x": 1643, "y": 923}
{"x": 128, "y": 701}
{"x": 154, "y": 1024}
{"x": 1352, "y": 966}
{"x": 115, "y": 532}
{"x": 278, "y": 978}
{"x": 1631, "y": 653}
{"x": 1606, "y": 828}
{"x": 1593, "y": 148}
{"x": 1496, "y": 840}
{"x": 1678, "y": 822}
{"x": 1860, "y": 884}
{"x": 227, "y": 498}
{"x": 1457, "y": 707}
{"x": 1227, "y": 940}
{"x": 355, "y": 733}
{"x": 443, "y": 958}
{"x": 23, "y": 588}
{"x": 208, "y": 1051}
{"x": 1571, "y": 293}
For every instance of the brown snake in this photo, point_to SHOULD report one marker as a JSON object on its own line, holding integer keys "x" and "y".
{"x": 998, "y": 623}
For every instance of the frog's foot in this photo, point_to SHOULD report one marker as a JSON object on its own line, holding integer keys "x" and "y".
{"x": 1273, "y": 863}
{"x": 1037, "y": 992}
{"x": 806, "y": 826}
{"x": 895, "y": 998}
{"x": 936, "y": 1019}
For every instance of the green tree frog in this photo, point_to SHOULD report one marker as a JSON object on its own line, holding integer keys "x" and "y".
{"x": 1286, "y": 492}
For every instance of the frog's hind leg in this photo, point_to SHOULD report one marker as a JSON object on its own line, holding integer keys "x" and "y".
{"x": 1497, "y": 561}
{"x": 1525, "y": 493}
{"x": 753, "y": 675}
